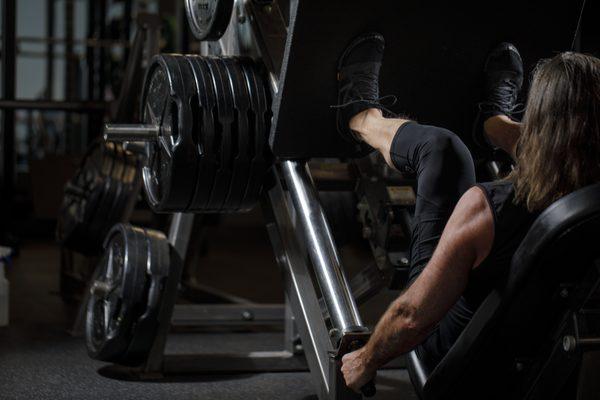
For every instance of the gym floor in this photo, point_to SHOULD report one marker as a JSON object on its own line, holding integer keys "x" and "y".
{"x": 40, "y": 359}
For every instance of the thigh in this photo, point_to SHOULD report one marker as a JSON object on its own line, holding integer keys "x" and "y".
{"x": 444, "y": 170}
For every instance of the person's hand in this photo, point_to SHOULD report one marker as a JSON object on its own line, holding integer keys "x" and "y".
{"x": 356, "y": 370}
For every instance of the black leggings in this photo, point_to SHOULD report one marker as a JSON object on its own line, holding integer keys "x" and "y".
{"x": 445, "y": 171}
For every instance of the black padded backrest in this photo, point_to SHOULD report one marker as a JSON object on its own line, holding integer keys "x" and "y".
{"x": 515, "y": 323}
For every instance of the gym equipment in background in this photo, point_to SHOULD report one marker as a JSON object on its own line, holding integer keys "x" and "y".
{"x": 208, "y": 19}
{"x": 102, "y": 193}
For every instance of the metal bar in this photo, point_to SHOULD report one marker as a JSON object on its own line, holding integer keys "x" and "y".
{"x": 364, "y": 285}
{"x": 127, "y": 19}
{"x": 72, "y": 132}
{"x": 321, "y": 248}
{"x": 82, "y": 107}
{"x": 180, "y": 231}
{"x": 299, "y": 288}
{"x": 9, "y": 51}
{"x": 101, "y": 57}
{"x": 130, "y": 132}
{"x": 589, "y": 343}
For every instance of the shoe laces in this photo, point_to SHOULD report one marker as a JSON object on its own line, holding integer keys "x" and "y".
{"x": 504, "y": 97}
{"x": 361, "y": 89}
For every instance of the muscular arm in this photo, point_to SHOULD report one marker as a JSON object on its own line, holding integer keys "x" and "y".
{"x": 465, "y": 243}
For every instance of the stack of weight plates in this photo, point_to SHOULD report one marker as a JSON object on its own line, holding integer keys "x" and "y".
{"x": 126, "y": 295}
{"x": 214, "y": 116}
{"x": 97, "y": 197}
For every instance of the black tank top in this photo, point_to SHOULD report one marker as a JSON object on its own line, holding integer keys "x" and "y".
{"x": 511, "y": 224}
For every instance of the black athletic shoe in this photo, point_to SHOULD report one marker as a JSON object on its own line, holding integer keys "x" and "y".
{"x": 358, "y": 78}
{"x": 503, "y": 81}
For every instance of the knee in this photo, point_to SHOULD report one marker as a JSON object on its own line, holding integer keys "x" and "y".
{"x": 447, "y": 147}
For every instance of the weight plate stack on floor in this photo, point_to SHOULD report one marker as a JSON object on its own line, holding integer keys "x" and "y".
{"x": 208, "y": 19}
{"x": 97, "y": 197}
{"x": 126, "y": 295}
{"x": 213, "y": 118}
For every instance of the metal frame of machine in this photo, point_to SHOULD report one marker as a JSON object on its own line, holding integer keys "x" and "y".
{"x": 328, "y": 325}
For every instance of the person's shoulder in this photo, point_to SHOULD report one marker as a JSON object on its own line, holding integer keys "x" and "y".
{"x": 475, "y": 200}
{"x": 475, "y": 212}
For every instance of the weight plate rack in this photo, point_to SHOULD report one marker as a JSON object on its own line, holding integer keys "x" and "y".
{"x": 97, "y": 196}
{"x": 126, "y": 295}
{"x": 205, "y": 124}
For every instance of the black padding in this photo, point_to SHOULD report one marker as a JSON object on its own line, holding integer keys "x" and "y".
{"x": 517, "y": 321}
{"x": 433, "y": 61}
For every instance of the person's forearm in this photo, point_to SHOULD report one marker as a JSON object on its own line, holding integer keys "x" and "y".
{"x": 397, "y": 332}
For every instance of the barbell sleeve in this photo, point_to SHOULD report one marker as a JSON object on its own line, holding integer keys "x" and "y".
{"x": 131, "y": 133}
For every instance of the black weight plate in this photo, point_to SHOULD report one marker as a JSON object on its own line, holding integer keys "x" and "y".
{"x": 206, "y": 120}
{"x": 240, "y": 134}
{"x": 208, "y": 19}
{"x": 262, "y": 157}
{"x": 129, "y": 182}
{"x": 103, "y": 219}
{"x": 119, "y": 172}
{"x": 116, "y": 294}
{"x": 146, "y": 326}
{"x": 170, "y": 172}
{"x": 223, "y": 135}
{"x": 97, "y": 227}
{"x": 81, "y": 197}
{"x": 189, "y": 78}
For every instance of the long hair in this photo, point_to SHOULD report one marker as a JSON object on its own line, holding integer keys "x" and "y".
{"x": 559, "y": 149}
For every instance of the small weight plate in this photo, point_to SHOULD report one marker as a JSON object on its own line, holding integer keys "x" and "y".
{"x": 208, "y": 19}
{"x": 242, "y": 159}
{"x": 223, "y": 136}
{"x": 170, "y": 172}
{"x": 206, "y": 122}
{"x": 116, "y": 294}
{"x": 146, "y": 325}
{"x": 83, "y": 197}
{"x": 129, "y": 183}
{"x": 119, "y": 171}
{"x": 78, "y": 193}
{"x": 103, "y": 219}
{"x": 97, "y": 227}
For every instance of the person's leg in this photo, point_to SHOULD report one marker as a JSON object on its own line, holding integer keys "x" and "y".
{"x": 503, "y": 132}
{"x": 441, "y": 162}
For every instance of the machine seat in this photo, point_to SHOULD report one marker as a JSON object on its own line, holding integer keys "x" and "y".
{"x": 507, "y": 348}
